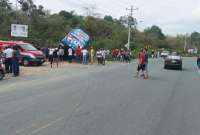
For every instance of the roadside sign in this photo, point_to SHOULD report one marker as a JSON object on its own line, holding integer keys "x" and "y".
{"x": 18, "y": 30}
{"x": 77, "y": 38}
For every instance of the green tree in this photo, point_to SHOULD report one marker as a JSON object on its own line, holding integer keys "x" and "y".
{"x": 108, "y": 18}
{"x": 66, "y": 15}
{"x": 47, "y": 29}
{"x": 155, "y": 32}
{"x": 195, "y": 39}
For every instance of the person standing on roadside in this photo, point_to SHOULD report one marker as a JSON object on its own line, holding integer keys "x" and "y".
{"x": 61, "y": 53}
{"x": 1, "y": 59}
{"x": 99, "y": 57}
{"x": 153, "y": 54}
{"x": 70, "y": 55}
{"x": 129, "y": 56}
{"x": 146, "y": 63}
{"x": 15, "y": 62}
{"x": 84, "y": 54}
{"x": 55, "y": 57}
{"x": 158, "y": 54}
{"x": 8, "y": 52}
{"x": 198, "y": 63}
{"x": 92, "y": 55}
{"x": 51, "y": 50}
{"x": 1, "y": 55}
{"x": 78, "y": 55}
{"x": 103, "y": 54}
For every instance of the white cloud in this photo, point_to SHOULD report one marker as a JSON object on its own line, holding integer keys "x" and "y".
{"x": 173, "y": 16}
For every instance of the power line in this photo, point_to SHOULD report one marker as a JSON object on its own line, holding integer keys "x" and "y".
{"x": 100, "y": 8}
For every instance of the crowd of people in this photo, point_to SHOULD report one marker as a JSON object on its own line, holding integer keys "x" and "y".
{"x": 84, "y": 56}
{"x": 10, "y": 57}
{"x": 123, "y": 55}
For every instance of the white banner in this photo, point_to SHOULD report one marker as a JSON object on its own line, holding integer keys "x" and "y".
{"x": 18, "y": 30}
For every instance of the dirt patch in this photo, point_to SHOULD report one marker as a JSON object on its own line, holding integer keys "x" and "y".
{"x": 46, "y": 68}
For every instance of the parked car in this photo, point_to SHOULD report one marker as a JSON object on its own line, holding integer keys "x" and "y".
{"x": 2, "y": 71}
{"x": 173, "y": 61}
{"x": 29, "y": 55}
{"x": 164, "y": 54}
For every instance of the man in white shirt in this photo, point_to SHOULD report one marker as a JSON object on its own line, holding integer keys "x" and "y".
{"x": 70, "y": 55}
{"x": 99, "y": 57}
{"x": 103, "y": 53}
{"x": 84, "y": 53}
{"x": 61, "y": 53}
{"x": 8, "y": 52}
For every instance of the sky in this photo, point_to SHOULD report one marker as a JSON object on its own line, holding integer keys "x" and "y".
{"x": 172, "y": 16}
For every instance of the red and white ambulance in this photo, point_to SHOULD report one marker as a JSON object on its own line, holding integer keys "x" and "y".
{"x": 29, "y": 55}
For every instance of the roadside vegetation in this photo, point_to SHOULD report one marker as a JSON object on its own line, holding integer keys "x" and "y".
{"x": 46, "y": 29}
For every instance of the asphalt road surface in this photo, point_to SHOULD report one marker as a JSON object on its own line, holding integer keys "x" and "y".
{"x": 103, "y": 101}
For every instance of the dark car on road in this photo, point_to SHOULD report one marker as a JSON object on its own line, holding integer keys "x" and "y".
{"x": 173, "y": 61}
{"x": 164, "y": 54}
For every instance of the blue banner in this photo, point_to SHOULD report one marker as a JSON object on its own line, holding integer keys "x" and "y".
{"x": 77, "y": 38}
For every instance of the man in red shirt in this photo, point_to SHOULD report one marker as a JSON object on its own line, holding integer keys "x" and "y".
{"x": 141, "y": 64}
{"x": 78, "y": 54}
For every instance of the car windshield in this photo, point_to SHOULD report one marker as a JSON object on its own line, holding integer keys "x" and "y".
{"x": 165, "y": 51}
{"x": 175, "y": 54}
{"x": 28, "y": 47}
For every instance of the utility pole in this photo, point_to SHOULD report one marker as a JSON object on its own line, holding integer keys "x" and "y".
{"x": 185, "y": 46}
{"x": 130, "y": 17}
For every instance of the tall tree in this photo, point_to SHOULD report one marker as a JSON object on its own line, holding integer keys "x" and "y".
{"x": 5, "y": 4}
{"x": 108, "y": 18}
{"x": 67, "y": 15}
{"x": 195, "y": 39}
{"x": 155, "y": 31}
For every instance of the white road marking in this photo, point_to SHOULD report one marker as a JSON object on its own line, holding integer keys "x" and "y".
{"x": 45, "y": 126}
{"x": 19, "y": 131}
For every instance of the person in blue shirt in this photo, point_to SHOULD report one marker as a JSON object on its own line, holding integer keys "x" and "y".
{"x": 15, "y": 62}
{"x": 198, "y": 62}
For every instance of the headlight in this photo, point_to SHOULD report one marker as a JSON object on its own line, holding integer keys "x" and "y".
{"x": 31, "y": 56}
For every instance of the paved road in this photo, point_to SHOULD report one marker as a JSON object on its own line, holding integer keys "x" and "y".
{"x": 103, "y": 101}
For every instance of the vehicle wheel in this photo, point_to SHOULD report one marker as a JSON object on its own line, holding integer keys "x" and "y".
{"x": 25, "y": 63}
{"x": 181, "y": 68}
{"x": 1, "y": 75}
{"x": 165, "y": 67}
{"x": 39, "y": 64}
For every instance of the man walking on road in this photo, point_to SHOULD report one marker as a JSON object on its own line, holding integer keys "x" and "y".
{"x": 141, "y": 64}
